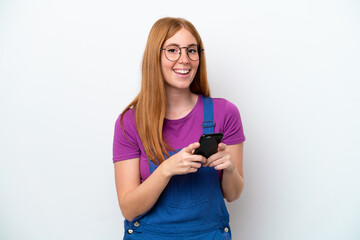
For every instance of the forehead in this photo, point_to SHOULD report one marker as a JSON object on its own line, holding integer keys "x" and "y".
{"x": 183, "y": 38}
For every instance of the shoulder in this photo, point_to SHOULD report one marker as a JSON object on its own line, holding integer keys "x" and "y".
{"x": 227, "y": 117}
{"x": 224, "y": 106}
{"x": 128, "y": 117}
{"x": 126, "y": 120}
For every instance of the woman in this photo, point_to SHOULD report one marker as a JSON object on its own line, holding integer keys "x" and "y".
{"x": 165, "y": 191}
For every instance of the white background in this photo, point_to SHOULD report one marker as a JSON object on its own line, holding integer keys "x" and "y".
{"x": 69, "y": 67}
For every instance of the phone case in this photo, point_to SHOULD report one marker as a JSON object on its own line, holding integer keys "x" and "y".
{"x": 209, "y": 144}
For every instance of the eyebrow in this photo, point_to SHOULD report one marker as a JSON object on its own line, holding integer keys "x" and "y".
{"x": 175, "y": 44}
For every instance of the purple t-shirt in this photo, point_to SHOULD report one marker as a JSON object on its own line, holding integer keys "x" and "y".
{"x": 179, "y": 133}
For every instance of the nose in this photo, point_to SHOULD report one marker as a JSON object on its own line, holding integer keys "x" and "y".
{"x": 183, "y": 56}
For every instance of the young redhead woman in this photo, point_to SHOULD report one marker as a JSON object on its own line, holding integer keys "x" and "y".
{"x": 165, "y": 191}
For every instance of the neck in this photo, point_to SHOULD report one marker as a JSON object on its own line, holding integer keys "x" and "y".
{"x": 179, "y": 103}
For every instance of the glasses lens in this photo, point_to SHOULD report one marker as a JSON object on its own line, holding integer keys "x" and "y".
{"x": 193, "y": 53}
{"x": 172, "y": 53}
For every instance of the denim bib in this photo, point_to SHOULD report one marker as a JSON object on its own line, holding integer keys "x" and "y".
{"x": 191, "y": 207}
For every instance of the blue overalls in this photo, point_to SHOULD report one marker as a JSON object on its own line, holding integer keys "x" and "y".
{"x": 191, "y": 207}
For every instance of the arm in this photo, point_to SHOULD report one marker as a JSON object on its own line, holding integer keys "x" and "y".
{"x": 233, "y": 178}
{"x": 136, "y": 198}
{"x": 230, "y": 160}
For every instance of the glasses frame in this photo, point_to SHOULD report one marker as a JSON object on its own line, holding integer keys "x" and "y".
{"x": 200, "y": 50}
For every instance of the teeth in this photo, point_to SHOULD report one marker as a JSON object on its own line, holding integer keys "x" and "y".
{"x": 182, "y": 71}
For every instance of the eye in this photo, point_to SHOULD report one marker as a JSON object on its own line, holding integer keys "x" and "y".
{"x": 192, "y": 50}
{"x": 172, "y": 50}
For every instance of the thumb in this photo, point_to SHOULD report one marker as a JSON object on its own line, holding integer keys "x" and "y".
{"x": 192, "y": 147}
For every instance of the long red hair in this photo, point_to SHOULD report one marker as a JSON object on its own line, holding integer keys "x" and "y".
{"x": 150, "y": 103}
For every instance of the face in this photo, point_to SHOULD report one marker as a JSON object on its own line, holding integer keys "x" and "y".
{"x": 179, "y": 74}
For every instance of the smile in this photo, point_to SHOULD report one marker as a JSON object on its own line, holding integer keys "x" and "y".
{"x": 182, "y": 71}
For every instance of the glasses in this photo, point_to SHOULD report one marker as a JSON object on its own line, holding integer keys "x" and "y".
{"x": 173, "y": 52}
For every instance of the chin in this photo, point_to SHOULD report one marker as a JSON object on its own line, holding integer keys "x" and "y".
{"x": 179, "y": 86}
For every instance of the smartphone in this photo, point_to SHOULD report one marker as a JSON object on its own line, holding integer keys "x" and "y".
{"x": 209, "y": 144}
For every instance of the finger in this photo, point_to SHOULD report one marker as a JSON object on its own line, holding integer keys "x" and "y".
{"x": 221, "y": 146}
{"x": 196, "y": 159}
{"x": 192, "y": 147}
{"x": 193, "y": 170}
{"x": 217, "y": 162}
{"x": 214, "y": 163}
{"x": 208, "y": 161}
{"x": 213, "y": 158}
{"x": 199, "y": 158}
{"x": 221, "y": 166}
{"x": 195, "y": 165}
{"x": 206, "y": 164}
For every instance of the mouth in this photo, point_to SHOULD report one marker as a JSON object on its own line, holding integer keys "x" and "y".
{"x": 182, "y": 71}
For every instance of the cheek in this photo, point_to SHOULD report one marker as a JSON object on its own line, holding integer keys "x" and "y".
{"x": 165, "y": 65}
{"x": 195, "y": 66}
{"x": 166, "y": 69}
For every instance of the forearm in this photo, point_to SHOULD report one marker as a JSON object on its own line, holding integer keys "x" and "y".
{"x": 232, "y": 184}
{"x": 135, "y": 198}
{"x": 143, "y": 197}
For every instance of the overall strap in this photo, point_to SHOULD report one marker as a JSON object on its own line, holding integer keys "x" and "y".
{"x": 208, "y": 124}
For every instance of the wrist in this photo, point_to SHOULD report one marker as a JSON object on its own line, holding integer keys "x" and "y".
{"x": 164, "y": 170}
{"x": 230, "y": 170}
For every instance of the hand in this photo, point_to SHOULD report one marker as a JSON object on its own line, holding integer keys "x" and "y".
{"x": 183, "y": 162}
{"x": 221, "y": 160}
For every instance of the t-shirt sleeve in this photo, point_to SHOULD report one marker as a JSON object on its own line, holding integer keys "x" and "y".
{"x": 233, "y": 128}
{"x": 125, "y": 145}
